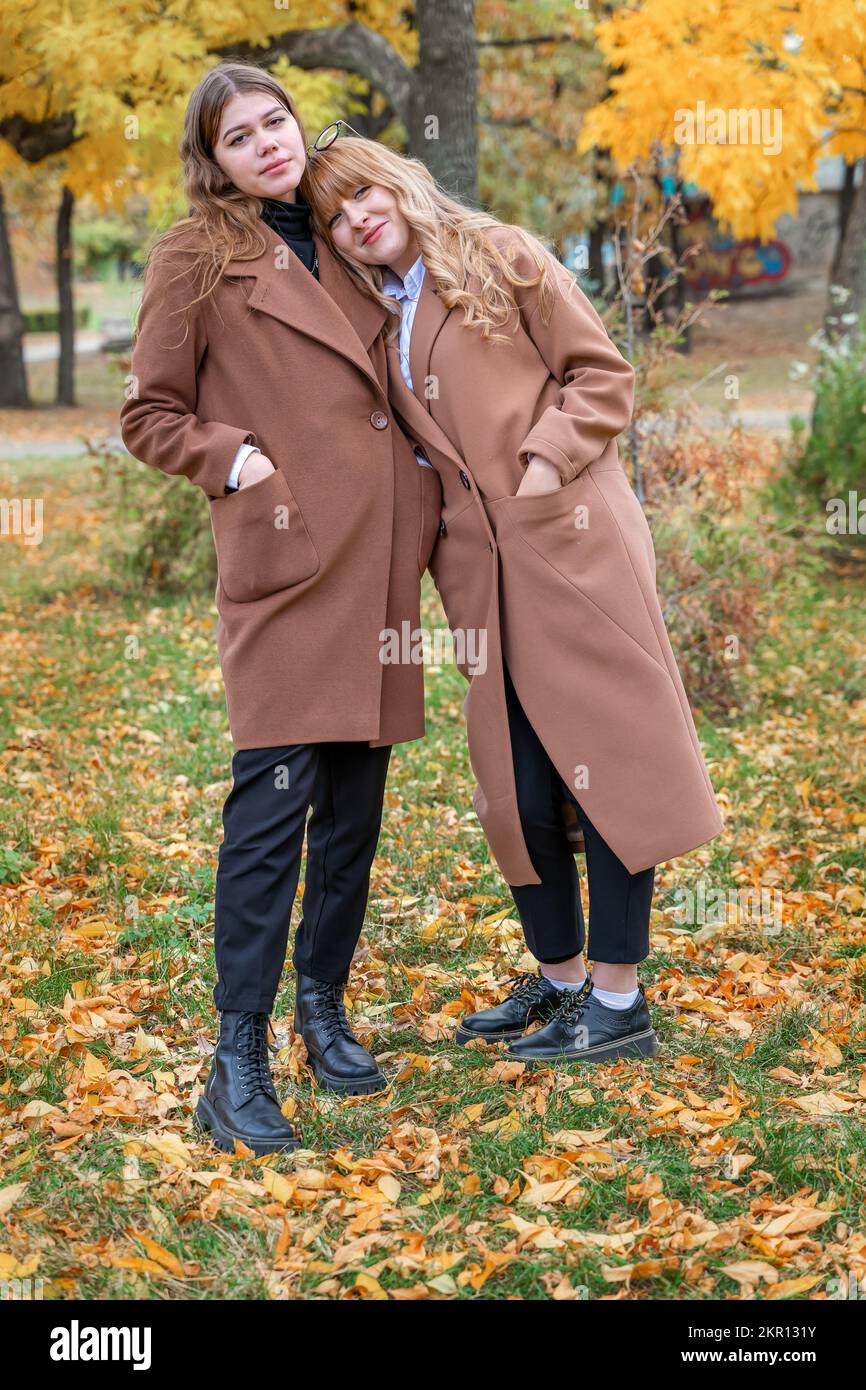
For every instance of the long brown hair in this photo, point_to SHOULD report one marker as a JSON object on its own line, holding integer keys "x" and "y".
{"x": 226, "y": 222}
{"x": 458, "y": 244}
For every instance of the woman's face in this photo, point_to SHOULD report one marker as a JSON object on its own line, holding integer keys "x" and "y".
{"x": 259, "y": 146}
{"x": 369, "y": 227}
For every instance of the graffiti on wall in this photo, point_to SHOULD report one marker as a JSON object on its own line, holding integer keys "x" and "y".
{"x": 726, "y": 263}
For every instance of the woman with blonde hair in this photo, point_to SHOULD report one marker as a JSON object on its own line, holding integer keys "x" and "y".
{"x": 503, "y": 373}
{"x": 259, "y": 373}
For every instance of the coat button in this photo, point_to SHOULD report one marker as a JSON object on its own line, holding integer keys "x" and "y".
{"x": 379, "y": 420}
{"x": 464, "y": 479}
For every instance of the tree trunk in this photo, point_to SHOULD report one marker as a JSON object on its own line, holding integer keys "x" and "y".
{"x": 443, "y": 103}
{"x": 13, "y": 377}
{"x": 846, "y": 197}
{"x": 849, "y": 268}
{"x": 66, "y": 307}
{"x": 596, "y": 262}
{"x": 678, "y": 292}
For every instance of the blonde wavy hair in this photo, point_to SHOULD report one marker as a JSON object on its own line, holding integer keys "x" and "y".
{"x": 468, "y": 268}
{"x": 225, "y": 223}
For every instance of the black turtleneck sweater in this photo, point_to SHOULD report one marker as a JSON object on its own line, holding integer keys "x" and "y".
{"x": 291, "y": 221}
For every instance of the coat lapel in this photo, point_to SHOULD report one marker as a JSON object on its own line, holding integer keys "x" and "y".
{"x": 430, "y": 315}
{"x": 418, "y": 423}
{"x": 331, "y": 309}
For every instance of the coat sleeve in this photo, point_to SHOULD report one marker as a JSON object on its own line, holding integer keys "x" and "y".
{"x": 158, "y": 420}
{"x": 596, "y": 383}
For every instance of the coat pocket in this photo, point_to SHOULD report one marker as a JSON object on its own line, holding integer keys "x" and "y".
{"x": 553, "y": 502}
{"x": 431, "y": 514}
{"x": 262, "y": 543}
{"x": 592, "y": 534}
{"x": 542, "y": 499}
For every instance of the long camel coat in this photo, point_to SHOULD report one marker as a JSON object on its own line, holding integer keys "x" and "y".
{"x": 562, "y": 583}
{"x": 323, "y": 556}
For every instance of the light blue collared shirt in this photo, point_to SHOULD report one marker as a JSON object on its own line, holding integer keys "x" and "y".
{"x": 407, "y": 292}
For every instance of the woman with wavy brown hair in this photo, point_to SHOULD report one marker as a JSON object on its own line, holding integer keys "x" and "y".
{"x": 259, "y": 373}
{"x": 502, "y": 371}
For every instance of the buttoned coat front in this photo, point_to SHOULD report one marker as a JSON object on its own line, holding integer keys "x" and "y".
{"x": 560, "y": 584}
{"x": 321, "y": 559}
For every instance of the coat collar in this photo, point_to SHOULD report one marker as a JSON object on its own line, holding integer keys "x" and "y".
{"x": 331, "y": 309}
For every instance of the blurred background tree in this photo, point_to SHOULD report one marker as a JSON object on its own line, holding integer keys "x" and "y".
{"x": 803, "y": 61}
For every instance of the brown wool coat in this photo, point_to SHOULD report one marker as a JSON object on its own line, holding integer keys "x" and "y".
{"x": 316, "y": 560}
{"x": 563, "y": 582}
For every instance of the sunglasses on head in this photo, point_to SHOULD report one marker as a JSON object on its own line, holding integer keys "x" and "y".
{"x": 330, "y": 133}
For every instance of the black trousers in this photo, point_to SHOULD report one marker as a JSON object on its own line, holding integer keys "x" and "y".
{"x": 551, "y": 912}
{"x": 259, "y": 864}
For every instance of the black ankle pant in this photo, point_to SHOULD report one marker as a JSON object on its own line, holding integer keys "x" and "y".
{"x": 260, "y": 861}
{"x": 551, "y": 912}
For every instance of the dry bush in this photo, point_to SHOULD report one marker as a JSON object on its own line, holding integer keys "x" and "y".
{"x": 719, "y": 548}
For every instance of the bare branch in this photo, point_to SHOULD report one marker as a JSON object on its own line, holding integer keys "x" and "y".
{"x": 530, "y": 40}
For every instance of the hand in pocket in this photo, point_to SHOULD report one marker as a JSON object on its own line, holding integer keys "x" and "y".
{"x": 257, "y": 467}
{"x": 540, "y": 477}
{"x": 262, "y": 543}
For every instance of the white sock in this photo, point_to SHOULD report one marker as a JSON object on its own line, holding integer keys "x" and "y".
{"x": 615, "y": 1001}
{"x": 564, "y": 984}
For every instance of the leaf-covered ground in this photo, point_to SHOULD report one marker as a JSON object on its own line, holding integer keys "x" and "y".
{"x": 730, "y": 1166}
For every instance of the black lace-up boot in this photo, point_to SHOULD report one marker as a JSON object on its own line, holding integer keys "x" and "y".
{"x": 338, "y": 1060}
{"x": 239, "y": 1100}
{"x": 585, "y": 1030}
{"x": 531, "y": 996}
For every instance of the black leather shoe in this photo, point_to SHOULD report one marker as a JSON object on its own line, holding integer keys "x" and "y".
{"x": 239, "y": 1100}
{"x": 338, "y": 1060}
{"x": 585, "y": 1030}
{"x": 530, "y": 997}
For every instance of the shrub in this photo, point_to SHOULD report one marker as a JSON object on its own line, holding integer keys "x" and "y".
{"x": 159, "y": 535}
{"x": 719, "y": 550}
{"x": 833, "y": 459}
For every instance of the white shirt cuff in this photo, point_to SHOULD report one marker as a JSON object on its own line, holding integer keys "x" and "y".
{"x": 240, "y": 459}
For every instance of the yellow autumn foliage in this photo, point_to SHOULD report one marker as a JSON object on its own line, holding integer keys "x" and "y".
{"x": 799, "y": 66}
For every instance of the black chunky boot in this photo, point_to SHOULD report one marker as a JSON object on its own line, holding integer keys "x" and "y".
{"x": 531, "y": 997}
{"x": 338, "y": 1060}
{"x": 239, "y": 1100}
{"x": 585, "y": 1030}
